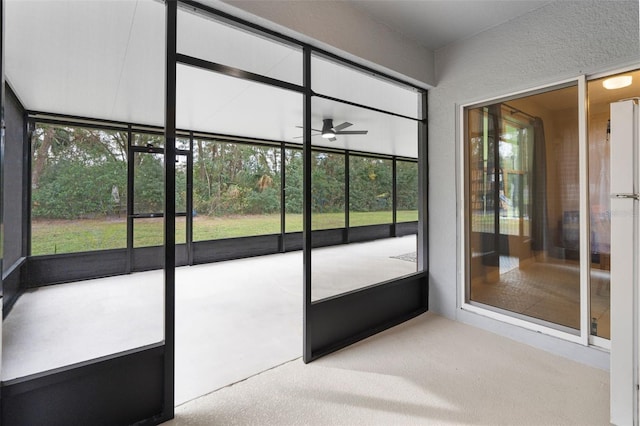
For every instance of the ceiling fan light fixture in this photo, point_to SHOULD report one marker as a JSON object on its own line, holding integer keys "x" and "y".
{"x": 328, "y": 131}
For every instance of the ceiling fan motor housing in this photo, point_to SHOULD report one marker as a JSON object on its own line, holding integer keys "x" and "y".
{"x": 327, "y": 128}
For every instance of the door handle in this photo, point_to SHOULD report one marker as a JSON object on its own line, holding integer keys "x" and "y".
{"x": 626, "y": 196}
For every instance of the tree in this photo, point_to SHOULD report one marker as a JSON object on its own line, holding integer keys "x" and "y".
{"x": 77, "y": 172}
{"x": 293, "y": 181}
{"x": 407, "y": 184}
{"x": 235, "y": 178}
{"x": 327, "y": 182}
{"x": 371, "y": 185}
{"x": 148, "y": 184}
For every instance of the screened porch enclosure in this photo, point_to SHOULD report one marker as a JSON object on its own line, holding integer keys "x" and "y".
{"x": 95, "y": 146}
{"x": 234, "y": 198}
{"x": 144, "y": 147}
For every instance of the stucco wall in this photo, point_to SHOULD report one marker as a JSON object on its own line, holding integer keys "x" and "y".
{"x": 560, "y": 40}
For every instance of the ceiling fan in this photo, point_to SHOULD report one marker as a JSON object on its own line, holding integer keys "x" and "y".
{"x": 329, "y": 131}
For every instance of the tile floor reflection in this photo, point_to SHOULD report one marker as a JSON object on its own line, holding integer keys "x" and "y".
{"x": 549, "y": 291}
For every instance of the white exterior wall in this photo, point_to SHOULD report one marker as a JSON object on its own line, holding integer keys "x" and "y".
{"x": 560, "y": 40}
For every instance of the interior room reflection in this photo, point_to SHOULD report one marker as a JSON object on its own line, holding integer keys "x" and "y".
{"x": 524, "y": 254}
{"x": 524, "y": 202}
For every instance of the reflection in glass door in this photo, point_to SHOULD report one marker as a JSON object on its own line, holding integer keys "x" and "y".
{"x": 600, "y": 96}
{"x": 523, "y": 245}
{"x": 524, "y": 229}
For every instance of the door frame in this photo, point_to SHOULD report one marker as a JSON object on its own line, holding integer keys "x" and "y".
{"x": 147, "y": 256}
{"x": 463, "y": 228}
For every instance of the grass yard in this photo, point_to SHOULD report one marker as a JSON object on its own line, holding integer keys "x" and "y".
{"x": 72, "y": 236}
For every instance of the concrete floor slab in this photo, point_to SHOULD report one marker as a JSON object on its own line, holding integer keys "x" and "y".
{"x": 233, "y": 319}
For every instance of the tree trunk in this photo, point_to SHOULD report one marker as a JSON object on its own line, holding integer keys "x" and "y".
{"x": 41, "y": 156}
{"x": 201, "y": 168}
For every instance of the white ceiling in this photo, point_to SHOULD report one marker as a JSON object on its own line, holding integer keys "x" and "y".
{"x": 88, "y": 58}
{"x": 437, "y": 23}
{"x": 104, "y": 59}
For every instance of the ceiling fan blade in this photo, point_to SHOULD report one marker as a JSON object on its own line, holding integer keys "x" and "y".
{"x": 300, "y": 137}
{"x": 332, "y": 139}
{"x": 342, "y": 126}
{"x": 353, "y": 132}
{"x": 315, "y": 130}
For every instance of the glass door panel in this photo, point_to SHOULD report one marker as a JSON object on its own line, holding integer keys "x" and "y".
{"x": 523, "y": 182}
{"x": 358, "y": 274}
{"x": 236, "y": 194}
{"x": 600, "y": 99}
{"x": 347, "y": 267}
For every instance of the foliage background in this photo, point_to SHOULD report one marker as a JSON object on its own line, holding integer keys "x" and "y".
{"x": 81, "y": 174}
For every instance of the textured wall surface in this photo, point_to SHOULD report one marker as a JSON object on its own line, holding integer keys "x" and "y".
{"x": 331, "y": 24}
{"x": 560, "y": 40}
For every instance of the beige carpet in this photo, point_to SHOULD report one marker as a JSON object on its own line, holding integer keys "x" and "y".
{"x": 429, "y": 370}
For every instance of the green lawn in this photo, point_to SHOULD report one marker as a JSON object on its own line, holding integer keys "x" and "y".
{"x": 71, "y": 236}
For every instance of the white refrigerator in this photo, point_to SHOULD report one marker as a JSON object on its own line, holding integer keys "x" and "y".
{"x": 625, "y": 253}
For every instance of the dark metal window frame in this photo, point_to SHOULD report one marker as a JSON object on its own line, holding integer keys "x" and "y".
{"x": 170, "y": 209}
{"x": 2, "y": 133}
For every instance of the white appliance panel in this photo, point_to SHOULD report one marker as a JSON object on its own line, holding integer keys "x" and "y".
{"x": 622, "y": 152}
{"x": 625, "y": 208}
{"x": 622, "y": 294}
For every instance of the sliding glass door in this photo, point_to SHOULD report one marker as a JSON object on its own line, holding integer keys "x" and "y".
{"x": 537, "y": 215}
{"x": 602, "y": 93}
{"x": 523, "y": 250}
